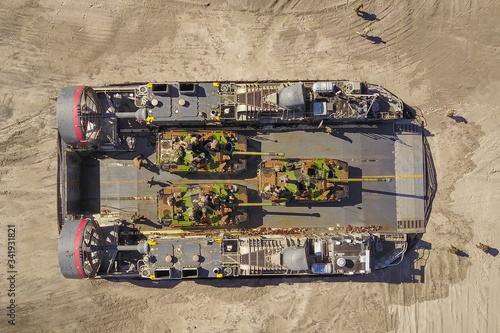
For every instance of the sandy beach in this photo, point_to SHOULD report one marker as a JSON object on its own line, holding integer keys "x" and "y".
{"x": 435, "y": 55}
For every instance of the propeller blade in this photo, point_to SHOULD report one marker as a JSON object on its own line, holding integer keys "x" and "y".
{"x": 88, "y": 255}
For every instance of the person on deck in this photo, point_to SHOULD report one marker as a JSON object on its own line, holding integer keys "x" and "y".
{"x": 140, "y": 161}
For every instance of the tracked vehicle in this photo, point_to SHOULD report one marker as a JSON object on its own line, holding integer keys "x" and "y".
{"x": 204, "y": 152}
{"x": 203, "y": 205}
{"x": 306, "y": 180}
{"x": 158, "y": 220}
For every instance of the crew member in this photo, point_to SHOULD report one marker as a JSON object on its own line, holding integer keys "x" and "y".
{"x": 140, "y": 161}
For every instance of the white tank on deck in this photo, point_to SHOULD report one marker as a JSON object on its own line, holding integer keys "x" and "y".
{"x": 318, "y": 248}
{"x": 323, "y": 87}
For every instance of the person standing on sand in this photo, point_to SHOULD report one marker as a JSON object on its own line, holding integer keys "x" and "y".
{"x": 357, "y": 9}
{"x": 485, "y": 248}
{"x": 365, "y": 32}
{"x": 453, "y": 250}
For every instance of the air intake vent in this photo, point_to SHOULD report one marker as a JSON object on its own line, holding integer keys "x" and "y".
{"x": 411, "y": 226}
{"x": 407, "y": 128}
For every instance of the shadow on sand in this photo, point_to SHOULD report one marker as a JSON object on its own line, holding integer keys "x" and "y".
{"x": 493, "y": 251}
{"x": 375, "y": 40}
{"x": 367, "y": 16}
{"x": 459, "y": 119}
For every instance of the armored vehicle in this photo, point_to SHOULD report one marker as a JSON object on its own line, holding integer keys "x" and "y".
{"x": 317, "y": 179}
{"x": 203, "y": 151}
{"x": 202, "y": 205}
{"x": 200, "y": 151}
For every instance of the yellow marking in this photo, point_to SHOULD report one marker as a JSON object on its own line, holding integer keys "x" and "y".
{"x": 112, "y": 182}
{"x": 152, "y": 242}
{"x": 128, "y": 198}
{"x": 148, "y": 119}
{"x": 219, "y": 276}
{"x": 150, "y": 85}
{"x": 123, "y": 181}
{"x": 216, "y": 84}
{"x": 152, "y": 277}
{"x": 218, "y": 240}
{"x": 373, "y": 178}
{"x": 246, "y": 179}
{"x": 399, "y": 176}
{"x": 165, "y": 232}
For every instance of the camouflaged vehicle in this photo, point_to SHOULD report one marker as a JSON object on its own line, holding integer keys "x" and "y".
{"x": 203, "y": 151}
{"x": 318, "y": 179}
{"x": 202, "y": 205}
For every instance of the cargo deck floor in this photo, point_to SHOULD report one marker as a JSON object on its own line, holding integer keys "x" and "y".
{"x": 369, "y": 151}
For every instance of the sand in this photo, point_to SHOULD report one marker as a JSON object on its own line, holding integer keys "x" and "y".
{"x": 436, "y": 55}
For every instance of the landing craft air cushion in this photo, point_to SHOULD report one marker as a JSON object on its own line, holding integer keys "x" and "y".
{"x": 113, "y": 225}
